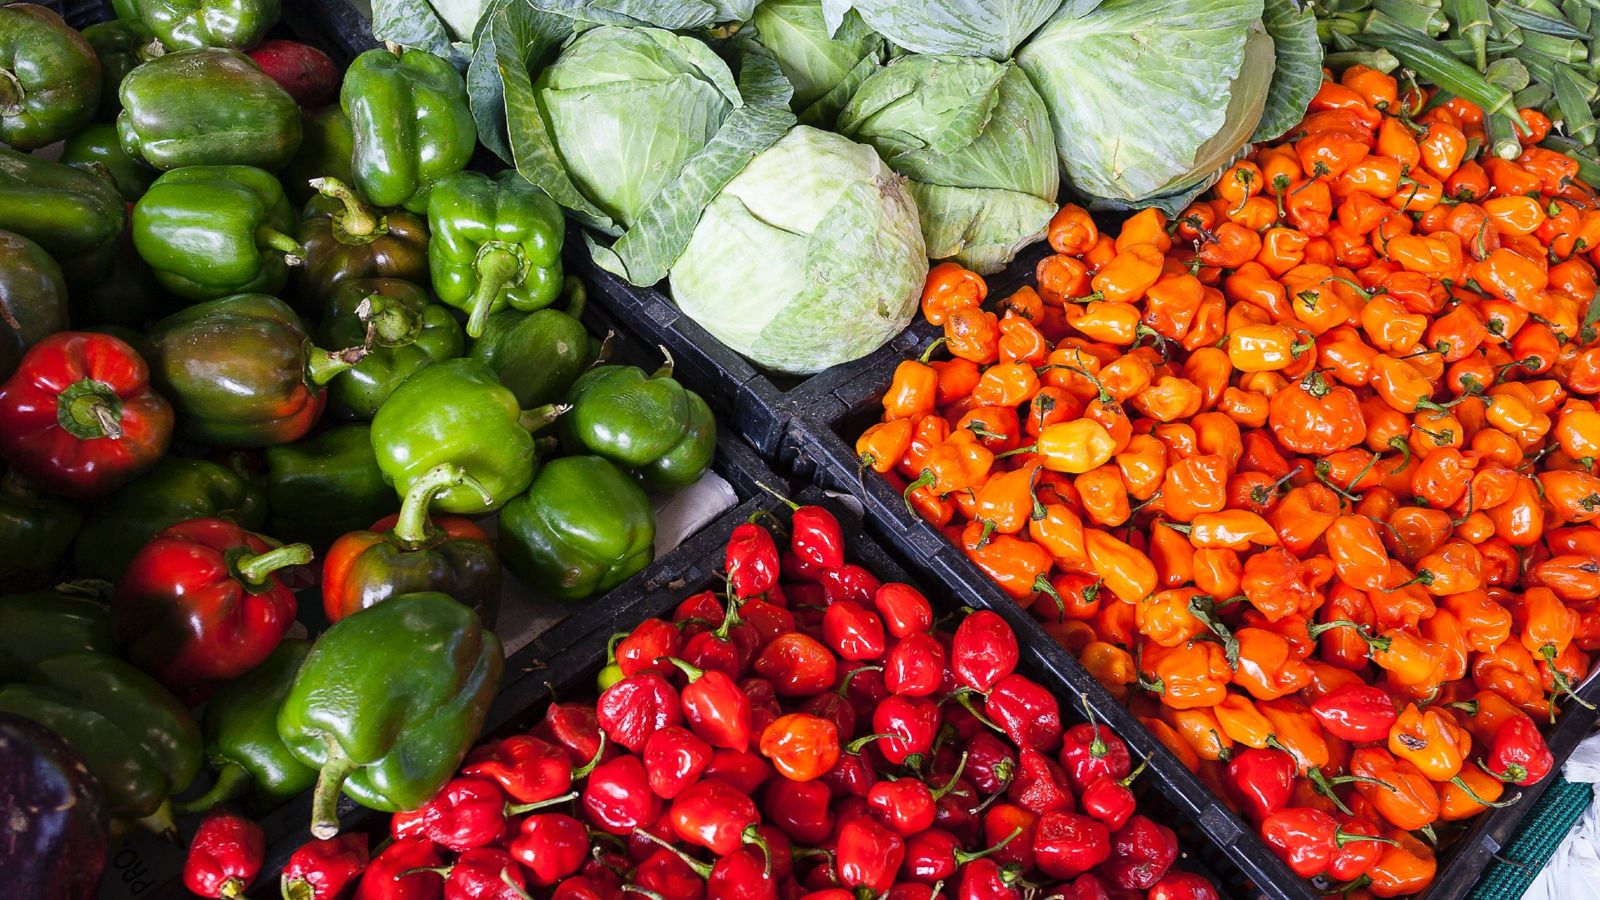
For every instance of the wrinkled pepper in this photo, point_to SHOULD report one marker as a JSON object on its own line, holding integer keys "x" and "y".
{"x": 207, "y": 107}
{"x": 582, "y": 528}
{"x": 496, "y": 243}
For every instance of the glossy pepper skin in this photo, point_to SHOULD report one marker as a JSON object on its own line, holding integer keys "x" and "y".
{"x": 247, "y": 757}
{"x": 1518, "y": 753}
{"x": 74, "y": 214}
{"x": 211, "y": 231}
{"x": 322, "y": 486}
{"x": 116, "y": 528}
{"x": 121, "y": 45}
{"x": 33, "y": 293}
{"x": 646, "y": 422}
{"x": 51, "y": 76}
{"x": 241, "y": 371}
{"x": 391, "y": 737}
{"x": 538, "y": 355}
{"x": 184, "y": 24}
{"x": 582, "y": 528}
{"x": 137, "y": 739}
{"x": 225, "y": 856}
{"x": 324, "y": 869}
{"x": 36, "y": 531}
{"x": 207, "y": 107}
{"x": 400, "y": 330}
{"x": 412, "y": 125}
{"x": 457, "y": 412}
{"x": 347, "y": 239}
{"x": 496, "y": 243}
{"x": 78, "y": 416}
{"x": 411, "y": 552}
{"x": 99, "y": 143}
{"x": 42, "y": 624}
{"x": 200, "y": 603}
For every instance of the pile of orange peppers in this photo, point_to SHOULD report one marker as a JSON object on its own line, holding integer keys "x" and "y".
{"x": 1332, "y": 426}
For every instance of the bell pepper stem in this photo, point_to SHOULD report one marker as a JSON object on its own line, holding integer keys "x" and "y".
{"x": 232, "y": 782}
{"x": 412, "y": 526}
{"x": 231, "y": 889}
{"x": 325, "y": 797}
{"x": 497, "y": 267}
{"x": 667, "y": 366}
{"x": 576, "y": 295}
{"x": 388, "y": 321}
{"x": 160, "y": 823}
{"x": 294, "y": 252}
{"x": 517, "y": 809}
{"x": 254, "y": 568}
{"x": 322, "y": 366}
{"x": 539, "y": 418}
{"x": 356, "y": 219}
{"x": 12, "y": 94}
{"x": 89, "y": 409}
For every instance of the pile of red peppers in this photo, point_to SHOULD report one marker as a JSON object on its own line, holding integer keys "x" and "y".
{"x": 810, "y": 733}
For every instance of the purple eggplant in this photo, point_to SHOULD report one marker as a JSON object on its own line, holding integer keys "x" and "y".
{"x": 54, "y": 843}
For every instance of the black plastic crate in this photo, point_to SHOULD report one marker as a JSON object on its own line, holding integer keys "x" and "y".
{"x": 567, "y": 669}
{"x": 822, "y": 450}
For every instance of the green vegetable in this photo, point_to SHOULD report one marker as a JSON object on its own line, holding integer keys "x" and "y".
{"x": 320, "y": 487}
{"x": 403, "y": 332}
{"x": 49, "y": 77}
{"x": 36, "y": 530}
{"x": 991, "y": 28}
{"x": 99, "y": 144}
{"x": 974, "y": 139}
{"x": 389, "y": 701}
{"x": 1151, "y": 102}
{"x": 412, "y": 125}
{"x": 325, "y": 150}
{"x": 538, "y": 355}
{"x": 824, "y": 70}
{"x": 496, "y": 243}
{"x": 638, "y": 421}
{"x": 827, "y": 235}
{"x": 75, "y": 215}
{"x": 121, "y": 45}
{"x": 33, "y": 298}
{"x": 207, "y": 107}
{"x": 347, "y": 239}
{"x": 212, "y": 231}
{"x": 582, "y": 528}
{"x": 183, "y": 24}
{"x": 42, "y": 624}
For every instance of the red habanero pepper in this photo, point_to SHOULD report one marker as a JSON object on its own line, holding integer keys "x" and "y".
{"x": 715, "y": 815}
{"x": 715, "y": 707}
{"x": 801, "y": 747}
{"x": 1518, "y": 753}
{"x": 200, "y": 602}
{"x": 853, "y": 631}
{"x": 907, "y": 805}
{"x": 905, "y": 611}
{"x": 1110, "y": 799}
{"x": 816, "y": 537}
{"x": 486, "y": 873}
{"x": 848, "y": 582}
{"x": 1262, "y": 780}
{"x": 907, "y": 726}
{"x": 1027, "y": 713}
{"x": 647, "y": 645}
{"x": 551, "y": 847}
{"x": 617, "y": 798}
{"x": 674, "y": 758}
{"x": 225, "y": 856}
{"x": 576, "y": 727}
{"x": 868, "y": 855}
{"x": 914, "y": 666}
{"x": 1068, "y": 844}
{"x": 1359, "y": 713}
{"x": 1141, "y": 853}
{"x": 466, "y": 813}
{"x": 323, "y": 869}
{"x": 1090, "y": 751}
{"x": 752, "y": 561}
{"x": 800, "y": 809}
{"x": 405, "y": 870}
{"x": 983, "y": 650}
{"x": 1183, "y": 886}
{"x": 636, "y": 706}
{"x": 1040, "y": 786}
{"x": 1307, "y": 839}
{"x": 797, "y": 665}
{"x": 78, "y": 417}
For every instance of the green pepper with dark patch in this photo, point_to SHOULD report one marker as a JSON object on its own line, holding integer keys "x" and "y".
{"x": 496, "y": 243}
{"x": 207, "y": 107}
{"x": 211, "y": 231}
{"x": 320, "y": 487}
{"x": 74, "y": 214}
{"x": 122, "y": 45}
{"x": 582, "y": 528}
{"x": 33, "y": 298}
{"x": 326, "y": 146}
{"x": 401, "y": 331}
{"x": 49, "y": 77}
{"x": 412, "y": 123}
{"x": 345, "y": 238}
{"x": 388, "y": 703}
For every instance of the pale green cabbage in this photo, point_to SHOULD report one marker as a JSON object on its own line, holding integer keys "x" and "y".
{"x": 991, "y": 28}
{"x": 810, "y": 257}
{"x": 974, "y": 138}
{"x": 825, "y": 71}
{"x": 1150, "y": 99}
{"x": 626, "y": 108}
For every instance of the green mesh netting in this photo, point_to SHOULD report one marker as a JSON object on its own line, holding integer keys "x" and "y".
{"x": 1519, "y": 862}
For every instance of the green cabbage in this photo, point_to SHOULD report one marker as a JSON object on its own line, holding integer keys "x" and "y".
{"x": 626, "y": 108}
{"x": 974, "y": 138}
{"x": 810, "y": 257}
{"x": 991, "y": 28}
{"x": 1151, "y": 100}
{"x": 825, "y": 71}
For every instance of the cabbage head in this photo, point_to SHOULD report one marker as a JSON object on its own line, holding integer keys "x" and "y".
{"x": 825, "y": 71}
{"x": 991, "y": 28}
{"x": 974, "y": 139}
{"x": 1150, "y": 100}
{"x": 810, "y": 257}
{"x": 625, "y": 108}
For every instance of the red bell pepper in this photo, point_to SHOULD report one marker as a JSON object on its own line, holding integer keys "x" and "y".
{"x": 1141, "y": 853}
{"x": 1262, "y": 780}
{"x": 715, "y": 708}
{"x": 78, "y": 417}
{"x": 225, "y": 856}
{"x": 1518, "y": 753}
{"x": 1359, "y": 713}
{"x": 983, "y": 650}
{"x": 403, "y": 871}
{"x": 636, "y": 706}
{"x": 200, "y": 603}
{"x": 323, "y": 869}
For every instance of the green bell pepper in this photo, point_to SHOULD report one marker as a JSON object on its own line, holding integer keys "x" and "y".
{"x": 35, "y": 531}
{"x": 345, "y": 238}
{"x": 321, "y": 487}
{"x": 582, "y": 528}
{"x": 241, "y": 371}
{"x": 207, "y": 107}
{"x": 49, "y": 77}
{"x": 496, "y": 243}
{"x": 98, "y": 144}
{"x": 325, "y": 149}
{"x": 127, "y": 297}
{"x": 457, "y": 412}
{"x": 388, "y": 703}
{"x": 645, "y": 422}
{"x": 241, "y": 735}
{"x": 211, "y": 231}
{"x": 42, "y": 624}
{"x": 538, "y": 355}
{"x": 401, "y": 331}
{"x": 412, "y": 122}
{"x": 136, "y": 738}
{"x": 176, "y": 490}
{"x": 184, "y": 24}
{"x": 122, "y": 46}
{"x": 74, "y": 214}
{"x": 33, "y": 298}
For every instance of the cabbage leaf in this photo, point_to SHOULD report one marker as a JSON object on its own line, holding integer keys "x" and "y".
{"x": 1298, "y": 73}
{"x": 825, "y": 71}
{"x": 991, "y": 28}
